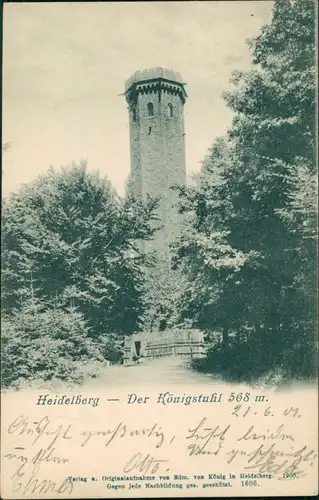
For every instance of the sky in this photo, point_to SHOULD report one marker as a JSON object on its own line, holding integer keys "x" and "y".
{"x": 65, "y": 65}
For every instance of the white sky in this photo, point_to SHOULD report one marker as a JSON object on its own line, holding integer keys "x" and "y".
{"x": 64, "y": 66}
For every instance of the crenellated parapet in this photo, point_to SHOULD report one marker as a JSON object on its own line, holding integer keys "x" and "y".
{"x": 154, "y": 80}
{"x": 153, "y": 74}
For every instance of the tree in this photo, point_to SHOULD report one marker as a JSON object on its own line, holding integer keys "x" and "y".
{"x": 79, "y": 241}
{"x": 250, "y": 254}
{"x": 163, "y": 293}
{"x": 44, "y": 343}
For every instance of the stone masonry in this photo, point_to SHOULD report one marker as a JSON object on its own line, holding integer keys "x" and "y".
{"x": 156, "y": 99}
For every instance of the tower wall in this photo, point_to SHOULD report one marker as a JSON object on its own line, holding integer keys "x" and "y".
{"x": 157, "y": 140}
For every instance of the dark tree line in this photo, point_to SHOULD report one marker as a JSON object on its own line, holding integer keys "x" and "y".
{"x": 250, "y": 250}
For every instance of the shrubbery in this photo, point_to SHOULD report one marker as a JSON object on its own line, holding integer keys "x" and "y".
{"x": 46, "y": 344}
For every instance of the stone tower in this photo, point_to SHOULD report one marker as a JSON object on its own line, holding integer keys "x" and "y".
{"x": 156, "y": 99}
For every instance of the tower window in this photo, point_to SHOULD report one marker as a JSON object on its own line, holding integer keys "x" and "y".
{"x": 150, "y": 109}
{"x": 170, "y": 110}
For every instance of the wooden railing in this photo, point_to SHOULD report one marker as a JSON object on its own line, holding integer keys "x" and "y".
{"x": 172, "y": 343}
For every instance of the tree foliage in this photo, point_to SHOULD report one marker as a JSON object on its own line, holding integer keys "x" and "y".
{"x": 78, "y": 241}
{"x": 72, "y": 242}
{"x": 250, "y": 250}
{"x": 44, "y": 344}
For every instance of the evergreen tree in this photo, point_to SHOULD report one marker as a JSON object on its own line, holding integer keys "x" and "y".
{"x": 43, "y": 343}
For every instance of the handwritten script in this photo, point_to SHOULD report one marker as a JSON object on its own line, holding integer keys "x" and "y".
{"x": 49, "y": 456}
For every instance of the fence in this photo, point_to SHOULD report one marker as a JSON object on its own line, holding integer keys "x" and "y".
{"x": 152, "y": 345}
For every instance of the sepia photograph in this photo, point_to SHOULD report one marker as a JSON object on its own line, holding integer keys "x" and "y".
{"x": 159, "y": 214}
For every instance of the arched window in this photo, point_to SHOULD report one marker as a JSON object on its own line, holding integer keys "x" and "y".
{"x": 150, "y": 109}
{"x": 170, "y": 110}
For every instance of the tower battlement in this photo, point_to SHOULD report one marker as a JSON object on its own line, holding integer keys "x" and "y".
{"x": 154, "y": 74}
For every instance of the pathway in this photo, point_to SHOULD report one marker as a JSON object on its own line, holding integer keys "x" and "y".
{"x": 162, "y": 371}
